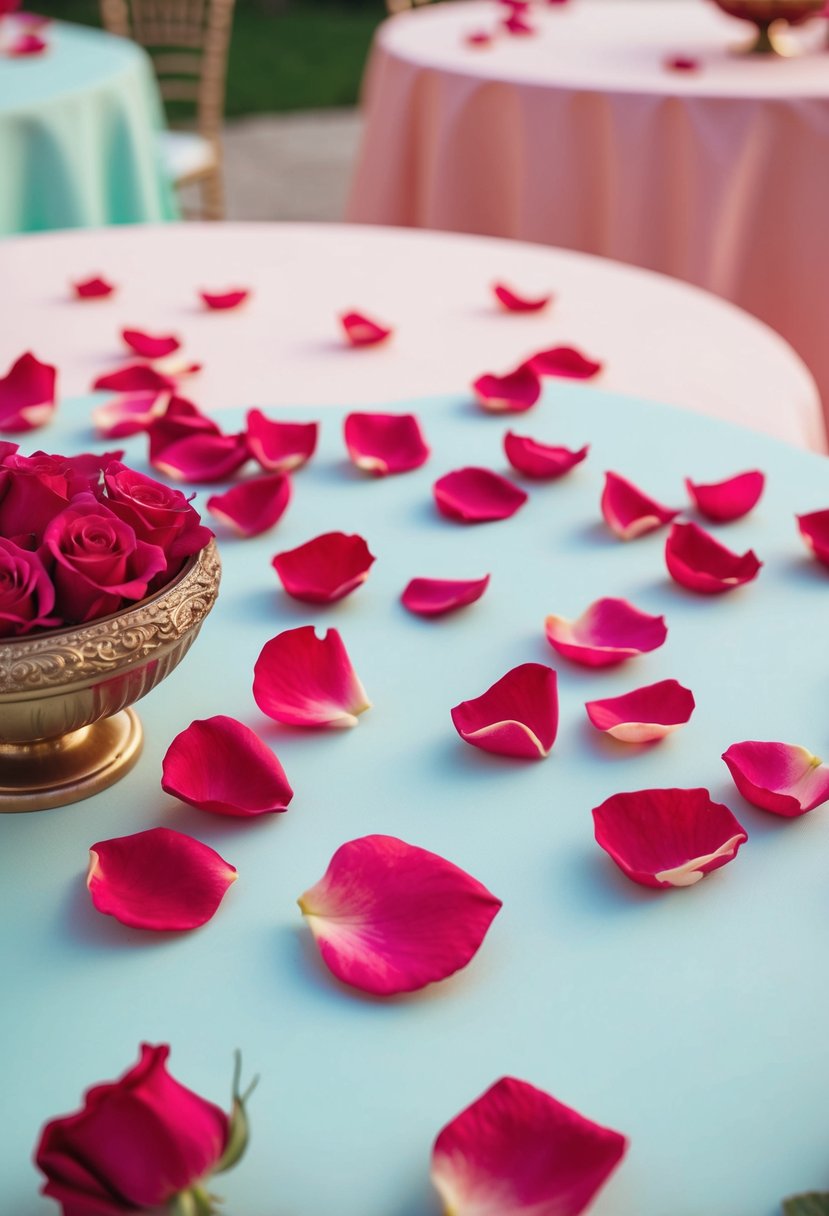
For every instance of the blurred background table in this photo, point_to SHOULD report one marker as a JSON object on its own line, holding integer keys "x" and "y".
{"x": 77, "y": 135}
{"x": 657, "y": 338}
{"x": 583, "y": 136}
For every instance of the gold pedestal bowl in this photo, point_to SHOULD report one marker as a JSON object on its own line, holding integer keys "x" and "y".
{"x": 770, "y": 16}
{"x": 66, "y": 731}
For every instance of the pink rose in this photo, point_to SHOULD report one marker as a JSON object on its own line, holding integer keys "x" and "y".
{"x": 35, "y": 488}
{"x": 27, "y": 595}
{"x": 158, "y": 514}
{"x": 97, "y": 561}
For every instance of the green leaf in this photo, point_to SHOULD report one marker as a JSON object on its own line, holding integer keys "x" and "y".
{"x": 815, "y": 1203}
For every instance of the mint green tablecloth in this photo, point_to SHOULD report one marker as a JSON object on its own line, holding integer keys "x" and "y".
{"x": 77, "y": 135}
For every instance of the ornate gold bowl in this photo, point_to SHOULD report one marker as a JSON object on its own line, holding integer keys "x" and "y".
{"x": 768, "y": 14}
{"x": 65, "y": 729}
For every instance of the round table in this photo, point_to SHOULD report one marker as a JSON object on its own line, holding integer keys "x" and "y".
{"x": 657, "y": 338}
{"x": 77, "y": 135}
{"x": 583, "y": 136}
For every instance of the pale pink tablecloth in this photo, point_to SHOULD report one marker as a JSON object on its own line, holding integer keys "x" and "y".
{"x": 659, "y": 339}
{"x": 581, "y": 136}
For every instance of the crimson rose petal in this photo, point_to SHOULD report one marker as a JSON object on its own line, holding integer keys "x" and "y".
{"x": 515, "y": 24}
{"x": 26, "y": 44}
{"x": 149, "y": 346}
{"x": 477, "y": 496}
{"x": 136, "y": 378}
{"x": 437, "y": 596}
{"x": 224, "y": 300}
{"x": 565, "y": 361}
{"x": 540, "y": 460}
{"x": 362, "y": 331}
{"x": 129, "y": 414}
{"x": 814, "y": 528}
{"x": 253, "y": 505}
{"x": 389, "y": 917}
{"x": 517, "y": 716}
{"x": 608, "y": 632}
{"x": 280, "y": 447}
{"x": 517, "y": 1151}
{"x": 779, "y": 777}
{"x": 730, "y": 499}
{"x": 202, "y": 456}
{"x": 158, "y": 879}
{"x": 220, "y": 765}
{"x": 324, "y": 569}
{"x": 477, "y": 38}
{"x": 27, "y": 395}
{"x": 644, "y": 715}
{"x": 512, "y": 302}
{"x": 96, "y": 288}
{"x": 630, "y": 513}
{"x": 303, "y": 680}
{"x": 699, "y": 562}
{"x": 513, "y": 393}
{"x": 385, "y": 443}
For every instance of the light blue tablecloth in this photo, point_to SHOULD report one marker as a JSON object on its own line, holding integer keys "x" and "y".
{"x": 77, "y": 135}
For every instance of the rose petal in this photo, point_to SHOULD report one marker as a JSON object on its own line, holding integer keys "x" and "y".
{"x": 96, "y": 288}
{"x": 699, "y": 562}
{"x": 729, "y": 499}
{"x": 477, "y": 496}
{"x": 254, "y": 505}
{"x": 27, "y": 395}
{"x": 385, "y": 443}
{"x": 517, "y": 716}
{"x": 628, "y": 512}
{"x": 220, "y": 765}
{"x": 779, "y": 777}
{"x": 516, "y": 1151}
{"x": 324, "y": 569}
{"x": 667, "y": 838}
{"x": 362, "y": 331}
{"x": 129, "y": 414}
{"x": 477, "y": 38}
{"x": 389, "y": 917}
{"x": 814, "y": 528}
{"x": 280, "y": 447}
{"x": 303, "y": 680}
{"x": 539, "y": 460}
{"x": 148, "y": 346}
{"x": 437, "y": 596}
{"x": 26, "y": 44}
{"x": 515, "y": 24}
{"x": 224, "y": 300}
{"x": 202, "y": 456}
{"x": 608, "y": 632}
{"x": 514, "y": 303}
{"x": 565, "y": 361}
{"x": 645, "y": 714}
{"x": 682, "y": 63}
{"x": 135, "y": 378}
{"x": 158, "y": 879}
{"x": 513, "y": 393}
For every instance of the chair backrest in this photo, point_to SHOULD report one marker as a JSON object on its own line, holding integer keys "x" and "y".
{"x": 188, "y": 41}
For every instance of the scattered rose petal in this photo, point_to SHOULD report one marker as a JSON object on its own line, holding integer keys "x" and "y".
{"x": 303, "y": 680}
{"x": 779, "y": 777}
{"x": 26, "y": 44}
{"x": 149, "y": 346}
{"x": 608, "y": 632}
{"x": 565, "y": 361}
{"x": 254, "y": 505}
{"x": 630, "y": 513}
{"x": 223, "y": 300}
{"x": 478, "y": 38}
{"x": 188, "y": 446}
{"x": 517, "y": 716}
{"x": 93, "y": 289}
{"x": 814, "y": 528}
{"x": 280, "y": 447}
{"x": 324, "y": 569}
{"x": 512, "y": 302}
{"x": 730, "y": 499}
{"x": 220, "y": 765}
{"x": 510, "y": 394}
{"x": 362, "y": 331}
{"x": 389, "y": 917}
{"x": 129, "y": 414}
{"x": 516, "y": 24}
{"x": 540, "y": 460}
{"x": 385, "y": 443}
{"x": 516, "y": 1151}
{"x": 27, "y": 395}
{"x": 477, "y": 496}
{"x": 699, "y": 562}
{"x": 136, "y": 378}
{"x": 158, "y": 879}
{"x": 682, "y": 63}
{"x": 644, "y": 715}
{"x": 437, "y": 596}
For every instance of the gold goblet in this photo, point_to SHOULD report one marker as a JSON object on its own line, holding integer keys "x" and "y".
{"x": 769, "y": 16}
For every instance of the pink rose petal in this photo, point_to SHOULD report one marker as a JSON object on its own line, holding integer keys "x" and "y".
{"x": 385, "y": 443}
{"x": 730, "y": 499}
{"x": 136, "y": 378}
{"x": 437, "y": 596}
{"x": 220, "y": 765}
{"x": 389, "y": 917}
{"x": 188, "y": 446}
{"x": 149, "y": 346}
{"x": 159, "y": 879}
{"x": 681, "y": 63}
{"x": 303, "y": 680}
{"x": 93, "y": 289}
{"x": 608, "y": 632}
{"x": 27, "y": 395}
{"x": 516, "y": 24}
{"x": 540, "y": 460}
{"x": 324, "y": 569}
{"x": 645, "y": 714}
{"x": 814, "y": 528}
{"x": 513, "y": 393}
{"x": 667, "y": 838}
{"x": 129, "y": 414}
{"x": 254, "y": 505}
{"x": 516, "y": 1151}
{"x": 565, "y": 361}
{"x": 628, "y": 512}
{"x": 478, "y": 38}
{"x": 512, "y": 302}
{"x": 779, "y": 777}
{"x": 362, "y": 331}
{"x": 477, "y": 496}
{"x": 223, "y": 300}
{"x": 26, "y": 44}
{"x": 280, "y": 447}
{"x": 517, "y": 716}
{"x": 699, "y": 562}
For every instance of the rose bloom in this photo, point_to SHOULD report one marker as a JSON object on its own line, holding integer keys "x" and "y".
{"x": 33, "y": 489}
{"x": 157, "y": 513}
{"x": 27, "y": 595}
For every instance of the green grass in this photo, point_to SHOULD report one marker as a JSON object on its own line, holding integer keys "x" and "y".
{"x": 309, "y": 55}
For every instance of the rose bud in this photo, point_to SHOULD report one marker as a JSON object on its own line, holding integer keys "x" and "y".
{"x": 140, "y": 1143}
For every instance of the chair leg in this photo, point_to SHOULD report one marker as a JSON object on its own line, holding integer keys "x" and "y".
{"x": 212, "y": 196}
